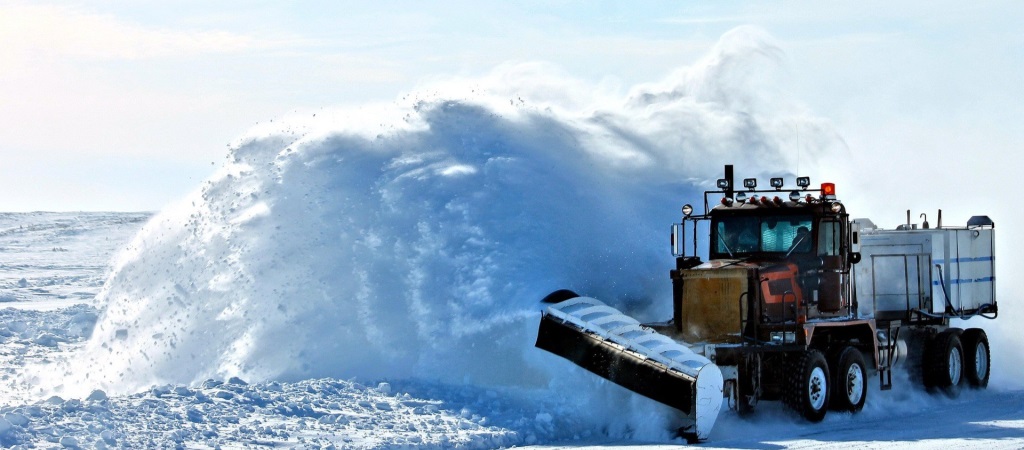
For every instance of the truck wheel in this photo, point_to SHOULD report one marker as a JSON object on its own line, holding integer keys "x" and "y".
{"x": 977, "y": 358}
{"x": 849, "y": 380}
{"x": 807, "y": 386}
{"x": 944, "y": 363}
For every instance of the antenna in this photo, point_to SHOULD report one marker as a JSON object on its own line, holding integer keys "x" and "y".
{"x": 796, "y": 130}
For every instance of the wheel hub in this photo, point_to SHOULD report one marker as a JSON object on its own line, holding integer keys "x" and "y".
{"x": 816, "y": 388}
{"x": 955, "y": 367}
{"x": 854, "y": 384}
{"x": 981, "y": 360}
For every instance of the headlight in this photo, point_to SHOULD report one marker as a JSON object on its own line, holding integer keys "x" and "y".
{"x": 687, "y": 210}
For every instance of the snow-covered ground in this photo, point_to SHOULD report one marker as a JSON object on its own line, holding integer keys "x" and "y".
{"x": 379, "y": 412}
{"x": 370, "y": 278}
{"x": 53, "y": 266}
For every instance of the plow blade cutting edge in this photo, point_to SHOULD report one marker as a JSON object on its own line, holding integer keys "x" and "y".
{"x": 616, "y": 347}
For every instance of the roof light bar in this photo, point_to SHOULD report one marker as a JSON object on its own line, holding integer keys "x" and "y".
{"x": 803, "y": 182}
{"x": 776, "y": 183}
{"x": 750, "y": 183}
{"x": 723, "y": 183}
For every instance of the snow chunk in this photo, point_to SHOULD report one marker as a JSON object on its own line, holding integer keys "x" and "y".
{"x": 69, "y": 442}
{"x": 48, "y": 339}
{"x": 97, "y": 396}
{"x": 16, "y": 419}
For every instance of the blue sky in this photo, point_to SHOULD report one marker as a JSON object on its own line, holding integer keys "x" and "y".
{"x": 129, "y": 105}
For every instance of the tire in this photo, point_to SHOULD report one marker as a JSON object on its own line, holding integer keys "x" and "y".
{"x": 977, "y": 357}
{"x": 944, "y": 363}
{"x": 807, "y": 386}
{"x": 849, "y": 380}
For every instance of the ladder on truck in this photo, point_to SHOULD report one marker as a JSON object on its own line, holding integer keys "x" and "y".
{"x": 887, "y": 353}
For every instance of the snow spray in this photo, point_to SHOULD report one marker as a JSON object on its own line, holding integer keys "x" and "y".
{"x": 415, "y": 239}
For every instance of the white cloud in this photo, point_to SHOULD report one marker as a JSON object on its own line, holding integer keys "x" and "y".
{"x": 61, "y": 32}
{"x": 707, "y": 20}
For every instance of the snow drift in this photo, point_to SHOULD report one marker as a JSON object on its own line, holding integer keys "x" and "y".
{"x": 415, "y": 239}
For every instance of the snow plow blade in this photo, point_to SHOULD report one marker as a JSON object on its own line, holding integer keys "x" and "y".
{"x": 616, "y": 347}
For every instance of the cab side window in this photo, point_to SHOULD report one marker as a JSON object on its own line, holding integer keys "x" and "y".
{"x": 829, "y": 233}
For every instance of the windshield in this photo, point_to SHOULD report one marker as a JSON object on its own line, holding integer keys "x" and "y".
{"x": 741, "y": 235}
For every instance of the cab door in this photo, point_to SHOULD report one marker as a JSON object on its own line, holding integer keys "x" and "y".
{"x": 833, "y": 276}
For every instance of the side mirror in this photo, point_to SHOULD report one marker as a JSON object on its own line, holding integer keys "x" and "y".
{"x": 855, "y": 238}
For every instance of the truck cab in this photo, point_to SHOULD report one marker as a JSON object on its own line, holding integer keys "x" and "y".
{"x": 775, "y": 263}
{"x": 806, "y": 236}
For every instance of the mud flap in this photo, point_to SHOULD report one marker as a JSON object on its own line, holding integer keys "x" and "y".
{"x": 616, "y": 347}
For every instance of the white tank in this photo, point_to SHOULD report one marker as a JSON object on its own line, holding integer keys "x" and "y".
{"x": 930, "y": 270}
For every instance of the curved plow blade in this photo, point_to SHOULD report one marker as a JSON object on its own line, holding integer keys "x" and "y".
{"x": 616, "y": 347}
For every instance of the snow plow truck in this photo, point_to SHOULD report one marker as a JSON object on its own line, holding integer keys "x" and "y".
{"x": 797, "y": 303}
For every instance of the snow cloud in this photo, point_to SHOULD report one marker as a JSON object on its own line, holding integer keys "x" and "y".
{"x": 416, "y": 239}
